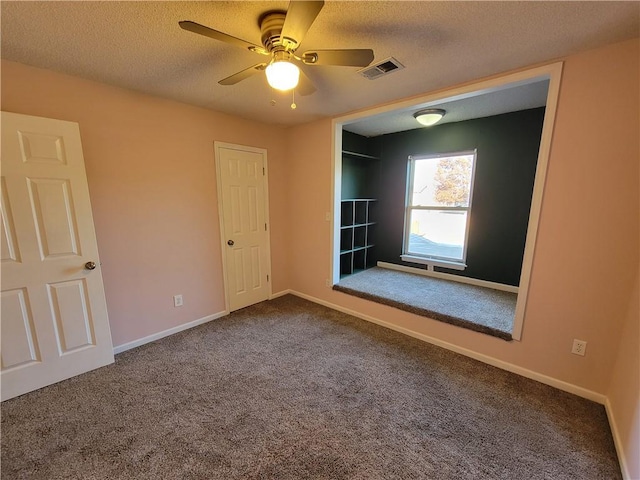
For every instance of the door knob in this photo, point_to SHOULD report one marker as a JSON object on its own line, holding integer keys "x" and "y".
{"x": 230, "y": 243}
{"x": 90, "y": 265}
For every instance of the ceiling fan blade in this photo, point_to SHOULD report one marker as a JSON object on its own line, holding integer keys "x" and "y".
{"x": 357, "y": 57}
{"x": 305, "y": 85}
{"x": 223, "y": 37}
{"x": 246, "y": 73}
{"x": 300, "y": 16}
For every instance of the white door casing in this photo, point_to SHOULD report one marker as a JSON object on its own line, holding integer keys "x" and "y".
{"x": 54, "y": 314}
{"x": 243, "y": 210}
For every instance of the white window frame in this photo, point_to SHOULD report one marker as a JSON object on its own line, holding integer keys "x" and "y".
{"x": 433, "y": 260}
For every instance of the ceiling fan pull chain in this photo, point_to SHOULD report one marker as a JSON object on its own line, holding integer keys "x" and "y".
{"x": 293, "y": 99}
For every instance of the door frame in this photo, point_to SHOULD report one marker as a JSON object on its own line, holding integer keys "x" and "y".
{"x": 245, "y": 148}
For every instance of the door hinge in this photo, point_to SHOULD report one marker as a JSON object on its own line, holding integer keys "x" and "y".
{"x": 263, "y": 171}
{"x": 265, "y": 227}
{"x": 267, "y": 278}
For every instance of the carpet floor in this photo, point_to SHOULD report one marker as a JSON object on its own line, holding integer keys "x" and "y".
{"x": 481, "y": 309}
{"x": 288, "y": 389}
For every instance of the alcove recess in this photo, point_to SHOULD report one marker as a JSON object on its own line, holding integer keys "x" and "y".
{"x": 360, "y": 178}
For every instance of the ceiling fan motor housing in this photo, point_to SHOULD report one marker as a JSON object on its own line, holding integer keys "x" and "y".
{"x": 271, "y": 27}
{"x": 281, "y": 33}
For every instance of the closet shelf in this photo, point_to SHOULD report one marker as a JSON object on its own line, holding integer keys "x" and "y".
{"x": 359, "y": 155}
{"x": 356, "y": 234}
{"x": 358, "y": 225}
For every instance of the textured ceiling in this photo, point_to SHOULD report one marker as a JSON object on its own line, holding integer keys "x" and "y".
{"x": 139, "y": 46}
{"x": 507, "y": 99}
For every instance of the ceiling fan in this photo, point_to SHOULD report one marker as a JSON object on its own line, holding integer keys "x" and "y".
{"x": 282, "y": 33}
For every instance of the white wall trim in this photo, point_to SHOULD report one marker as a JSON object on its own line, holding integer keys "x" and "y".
{"x": 165, "y": 333}
{"x": 553, "y": 382}
{"x": 617, "y": 441}
{"x": 552, "y": 72}
{"x": 544, "y": 152}
{"x": 336, "y": 204}
{"x": 432, "y": 262}
{"x": 282, "y": 293}
{"x": 448, "y": 276}
{"x": 482, "y": 86}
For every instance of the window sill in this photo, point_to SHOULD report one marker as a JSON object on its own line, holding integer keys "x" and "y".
{"x": 432, "y": 262}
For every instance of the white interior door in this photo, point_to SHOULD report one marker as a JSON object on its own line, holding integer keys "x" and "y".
{"x": 54, "y": 314}
{"x": 241, "y": 187}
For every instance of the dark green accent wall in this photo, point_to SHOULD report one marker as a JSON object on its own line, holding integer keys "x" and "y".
{"x": 360, "y": 176}
{"x": 353, "y": 142}
{"x": 507, "y": 152}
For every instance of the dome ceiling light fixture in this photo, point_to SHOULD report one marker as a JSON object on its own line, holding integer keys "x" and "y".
{"x": 430, "y": 116}
{"x": 281, "y": 73}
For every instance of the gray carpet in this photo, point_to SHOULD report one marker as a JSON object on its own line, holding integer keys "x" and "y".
{"x": 288, "y": 389}
{"x": 480, "y": 309}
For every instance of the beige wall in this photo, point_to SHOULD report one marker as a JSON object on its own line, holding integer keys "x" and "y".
{"x": 588, "y": 235}
{"x": 624, "y": 391}
{"x": 587, "y": 252}
{"x": 152, "y": 182}
{"x": 309, "y": 154}
{"x": 151, "y": 172}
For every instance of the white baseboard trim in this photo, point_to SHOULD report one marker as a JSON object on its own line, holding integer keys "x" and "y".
{"x": 617, "y": 441}
{"x": 553, "y": 382}
{"x": 448, "y": 276}
{"x": 280, "y": 294}
{"x": 165, "y": 333}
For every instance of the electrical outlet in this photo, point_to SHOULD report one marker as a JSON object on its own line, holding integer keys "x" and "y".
{"x": 177, "y": 300}
{"x": 579, "y": 347}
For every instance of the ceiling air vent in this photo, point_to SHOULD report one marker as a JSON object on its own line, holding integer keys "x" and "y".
{"x": 384, "y": 67}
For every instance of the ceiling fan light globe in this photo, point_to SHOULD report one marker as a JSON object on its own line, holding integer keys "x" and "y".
{"x": 282, "y": 75}
{"x": 429, "y": 117}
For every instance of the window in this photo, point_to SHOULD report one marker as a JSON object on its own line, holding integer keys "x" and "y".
{"x": 438, "y": 204}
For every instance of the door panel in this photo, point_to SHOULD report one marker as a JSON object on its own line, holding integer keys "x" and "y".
{"x": 54, "y": 314}
{"x": 52, "y": 211}
{"x": 245, "y": 236}
{"x": 73, "y": 324}
{"x": 41, "y": 148}
{"x": 18, "y": 330}
{"x": 10, "y": 252}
